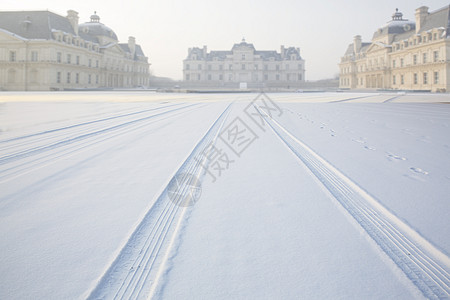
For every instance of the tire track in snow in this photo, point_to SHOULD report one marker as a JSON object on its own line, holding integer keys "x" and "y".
{"x": 425, "y": 265}
{"x": 82, "y": 124}
{"x": 136, "y": 271}
{"x": 353, "y": 98}
{"x": 17, "y": 164}
{"x": 84, "y": 135}
{"x": 55, "y": 133}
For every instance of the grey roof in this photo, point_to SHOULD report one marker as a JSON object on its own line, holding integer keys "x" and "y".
{"x": 198, "y": 52}
{"x": 267, "y": 55}
{"x": 243, "y": 44}
{"x": 91, "y": 30}
{"x": 222, "y": 55}
{"x": 138, "y": 49}
{"x": 436, "y": 19}
{"x": 350, "y": 49}
{"x": 395, "y": 27}
{"x": 219, "y": 55}
{"x": 288, "y": 52}
{"x": 34, "y": 24}
{"x": 41, "y": 24}
{"x": 403, "y": 36}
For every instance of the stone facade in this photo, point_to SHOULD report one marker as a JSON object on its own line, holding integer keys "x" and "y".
{"x": 244, "y": 64}
{"x": 403, "y": 55}
{"x": 40, "y": 50}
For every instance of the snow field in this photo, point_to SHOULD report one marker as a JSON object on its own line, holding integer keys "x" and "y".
{"x": 341, "y": 195}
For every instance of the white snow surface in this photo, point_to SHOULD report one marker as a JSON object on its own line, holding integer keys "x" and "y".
{"x": 81, "y": 172}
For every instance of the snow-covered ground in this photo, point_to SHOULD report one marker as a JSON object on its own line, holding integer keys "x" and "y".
{"x": 313, "y": 195}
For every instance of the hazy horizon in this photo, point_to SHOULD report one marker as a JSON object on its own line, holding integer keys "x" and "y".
{"x": 166, "y": 29}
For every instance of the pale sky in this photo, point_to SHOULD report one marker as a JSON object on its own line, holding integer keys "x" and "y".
{"x": 166, "y": 29}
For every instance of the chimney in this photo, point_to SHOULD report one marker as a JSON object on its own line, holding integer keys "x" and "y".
{"x": 357, "y": 44}
{"x": 204, "y": 51}
{"x": 421, "y": 14}
{"x": 282, "y": 51}
{"x": 132, "y": 45}
{"x": 73, "y": 19}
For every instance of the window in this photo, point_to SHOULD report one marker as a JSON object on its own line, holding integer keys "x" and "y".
{"x": 230, "y": 77}
{"x": 415, "y": 59}
{"x": 230, "y": 67}
{"x": 199, "y": 67}
{"x": 300, "y": 77}
{"x": 78, "y": 60}
{"x": 209, "y": 67}
{"x": 58, "y": 77}
{"x": 435, "y": 56}
{"x": 188, "y": 67}
{"x": 12, "y": 55}
{"x": 90, "y": 63}
{"x": 220, "y": 77}
{"x": 256, "y": 67}
{"x": 393, "y": 63}
{"x": 243, "y": 56}
{"x": 89, "y": 78}
{"x": 435, "y": 36}
{"x": 96, "y": 79}
{"x": 68, "y": 77}
{"x": 362, "y": 81}
{"x": 277, "y": 67}
{"x": 424, "y": 58}
{"x": 198, "y": 77}
{"x": 425, "y": 78}
{"x": 220, "y": 67}
{"x": 402, "y": 79}
{"x": 77, "y": 78}
{"x": 287, "y": 67}
{"x": 299, "y": 66}
{"x": 394, "y": 80}
{"x": 209, "y": 76}
{"x": 277, "y": 77}
{"x": 58, "y": 57}
{"x": 287, "y": 77}
{"x": 243, "y": 66}
{"x": 266, "y": 77}
{"x": 69, "y": 58}
{"x": 188, "y": 77}
{"x": 401, "y": 62}
{"x": 266, "y": 67}
{"x": 415, "y": 78}
{"x": 436, "y": 77}
{"x": 34, "y": 56}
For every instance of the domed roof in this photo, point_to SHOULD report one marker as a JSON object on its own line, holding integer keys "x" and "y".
{"x": 96, "y": 29}
{"x": 396, "y": 26}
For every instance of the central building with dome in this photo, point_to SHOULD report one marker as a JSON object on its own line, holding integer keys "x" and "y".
{"x": 41, "y": 50}
{"x": 403, "y": 55}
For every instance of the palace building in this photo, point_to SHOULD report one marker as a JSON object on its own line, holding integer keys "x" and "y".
{"x": 244, "y": 64}
{"x": 41, "y": 50}
{"x": 403, "y": 55}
